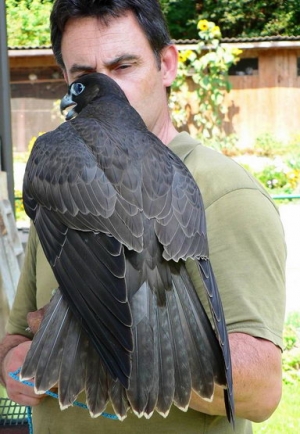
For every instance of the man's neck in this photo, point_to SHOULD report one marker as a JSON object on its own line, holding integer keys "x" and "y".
{"x": 167, "y": 132}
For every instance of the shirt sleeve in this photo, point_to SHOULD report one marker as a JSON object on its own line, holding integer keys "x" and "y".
{"x": 25, "y": 299}
{"x": 248, "y": 255}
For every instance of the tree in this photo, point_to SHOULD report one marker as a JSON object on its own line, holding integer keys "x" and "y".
{"x": 28, "y": 22}
{"x": 181, "y": 16}
{"x": 286, "y": 20}
{"x": 242, "y": 18}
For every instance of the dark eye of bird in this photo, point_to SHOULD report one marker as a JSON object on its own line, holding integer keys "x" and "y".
{"x": 77, "y": 88}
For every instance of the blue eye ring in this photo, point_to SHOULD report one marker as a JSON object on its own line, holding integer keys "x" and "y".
{"x": 77, "y": 88}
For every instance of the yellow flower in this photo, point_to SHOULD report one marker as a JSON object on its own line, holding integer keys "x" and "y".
{"x": 203, "y": 25}
{"x": 188, "y": 53}
{"x": 184, "y": 55}
{"x": 236, "y": 51}
{"x": 216, "y": 32}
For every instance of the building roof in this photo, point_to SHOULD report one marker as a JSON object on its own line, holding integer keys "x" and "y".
{"x": 243, "y": 43}
{"x": 250, "y": 43}
{"x": 243, "y": 40}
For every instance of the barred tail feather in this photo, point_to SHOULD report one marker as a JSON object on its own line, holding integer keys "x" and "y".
{"x": 96, "y": 383}
{"x": 43, "y": 360}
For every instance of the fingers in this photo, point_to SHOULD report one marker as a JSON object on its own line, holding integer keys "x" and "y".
{"x": 23, "y": 395}
{"x": 17, "y": 391}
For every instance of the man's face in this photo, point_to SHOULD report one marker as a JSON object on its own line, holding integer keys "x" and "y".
{"x": 121, "y": 51}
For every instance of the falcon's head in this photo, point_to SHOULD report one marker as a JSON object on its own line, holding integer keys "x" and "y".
{"x": 88, "y": 88}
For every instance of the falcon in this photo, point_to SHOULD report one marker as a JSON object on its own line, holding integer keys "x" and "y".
{"x": 118, "y": 214}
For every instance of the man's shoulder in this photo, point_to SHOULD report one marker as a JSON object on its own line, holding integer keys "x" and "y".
{"x": 199, "y": 158}
{"x": 216, "y": 174}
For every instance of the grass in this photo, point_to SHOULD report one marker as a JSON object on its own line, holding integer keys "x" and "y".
{"x": 2, "y": 392}
{"x": 286, "y": 419}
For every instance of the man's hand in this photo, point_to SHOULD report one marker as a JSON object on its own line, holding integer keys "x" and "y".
{"x": 12, "y": 361}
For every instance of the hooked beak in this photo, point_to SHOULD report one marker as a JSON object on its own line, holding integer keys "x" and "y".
{"x": 68, "y": 102}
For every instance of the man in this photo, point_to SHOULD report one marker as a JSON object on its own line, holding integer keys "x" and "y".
{"x": 128, "y": 40}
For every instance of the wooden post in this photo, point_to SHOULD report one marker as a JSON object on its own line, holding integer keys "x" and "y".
{"x": 3, "y": 186}
{"x": 11, "y": 254}
{"x": 3, "y": 300}
{"x": 5, "y": 108}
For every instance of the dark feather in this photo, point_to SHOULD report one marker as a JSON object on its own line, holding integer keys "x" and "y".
{"x": 96, "y": 383}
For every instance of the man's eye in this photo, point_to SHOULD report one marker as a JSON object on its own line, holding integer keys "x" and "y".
{"x": 124, "y": 66}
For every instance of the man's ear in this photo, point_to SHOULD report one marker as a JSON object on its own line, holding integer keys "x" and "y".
{"x": 169, "y": 61}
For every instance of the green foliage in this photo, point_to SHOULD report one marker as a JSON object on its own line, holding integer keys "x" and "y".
{"x": 22, "y": 158}
{"x": 237, "y": 18}
{"x": 293, "y": 319}
{"x": 208, "y": 67}
{"x": 281, "y": 164}
{"x": 164, "y": 4}
{"x": 3, "y": 393}
{"x": 291, "y": 366}
{"x": 227, "y": 145}
{"x": 267, "y": 146}
{"x": 279, "y": 178}
{"x": 290, "y": 337}
{"x": 244, "y": 18}
{"x": 19, "y": 207}
{"x": 286, "y": 419}
{"x": 181, "y": 16}
{"x": 292, "y": 157}
{"x": 28, "y": 22}
{"x": 291, "y": 355}
{"x": 285, "y": 20}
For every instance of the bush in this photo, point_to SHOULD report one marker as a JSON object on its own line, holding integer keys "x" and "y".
{"x": 226, "y": 145}
{"x": 267, "y": 146}
{"x": 279, "y": 178}
{"x": 280, "y": 162}
{"x": 19, "y": 207}
{"x": 293, "y": 319}
{"x": 291, "y": 354}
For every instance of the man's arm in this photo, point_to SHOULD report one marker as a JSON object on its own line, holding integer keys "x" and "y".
{"x": 13, "y": 350}
{"x": 257, "y": 380}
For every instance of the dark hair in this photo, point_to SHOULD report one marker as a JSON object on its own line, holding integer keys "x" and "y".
{"x": 147, "y": 12}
